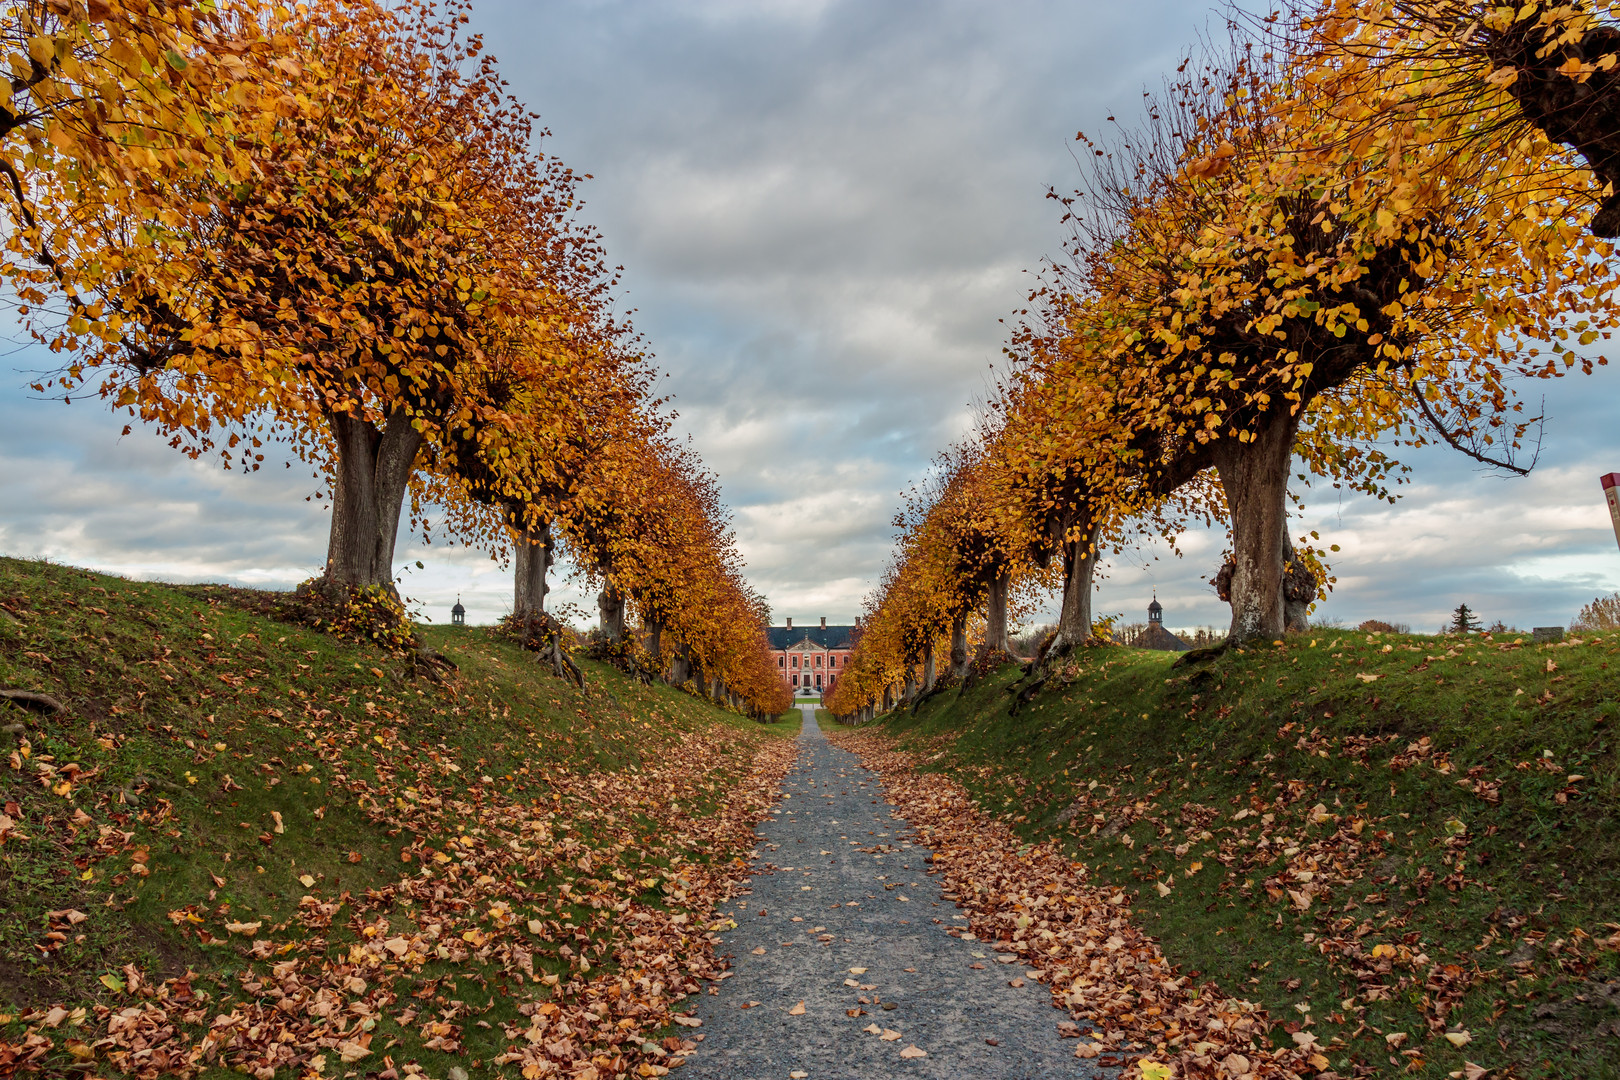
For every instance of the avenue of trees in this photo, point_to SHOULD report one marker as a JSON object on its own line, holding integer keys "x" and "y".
{"x": 1351, "y": 228}
{"x": 329, "y": 224}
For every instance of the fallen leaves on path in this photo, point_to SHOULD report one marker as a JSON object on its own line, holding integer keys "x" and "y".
{"x": 1036, "y": 906}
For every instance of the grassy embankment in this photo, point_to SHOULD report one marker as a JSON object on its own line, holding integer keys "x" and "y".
{"x": 1385, "y": 839}
{"x": 358, "y": 866}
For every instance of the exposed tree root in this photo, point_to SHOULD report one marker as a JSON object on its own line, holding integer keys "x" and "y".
{"x": 1199, "y": 656}
{"x": 27, "y": 699}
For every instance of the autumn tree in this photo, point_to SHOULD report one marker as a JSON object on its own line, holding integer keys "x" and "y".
{"x": 1262, "y": 285}
{"x": 395, "y": 247}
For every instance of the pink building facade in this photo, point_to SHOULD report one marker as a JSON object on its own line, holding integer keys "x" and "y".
{"x": 810, "y": 658}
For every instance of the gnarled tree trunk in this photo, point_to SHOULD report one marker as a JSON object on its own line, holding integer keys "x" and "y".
{"x": 372, "y": 470}
{"x": 655, "y": 641}
{"x": 1075, "y": 619}
{"x": 610, "y": 607}
{"x": 533, "y": 556}
{"x": 959, "y": 652}
{"x": 928, "y": 666}
{"x": 1255, "y": 476}
{"x": 995, "y": 616}
{"x": 680, "y": 667}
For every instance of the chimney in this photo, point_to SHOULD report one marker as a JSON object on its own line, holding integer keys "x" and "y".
{"x": 790, "y": 624}
{"x": 824, "y": 622}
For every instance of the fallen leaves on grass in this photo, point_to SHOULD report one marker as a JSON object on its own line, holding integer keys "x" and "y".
{"x": 620, "y": 963}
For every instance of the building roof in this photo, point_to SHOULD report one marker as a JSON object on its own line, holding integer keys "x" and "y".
{"x": 823, "y": 637}
{"x": 458, "y": 609}
{"x": 1157, "y": 637}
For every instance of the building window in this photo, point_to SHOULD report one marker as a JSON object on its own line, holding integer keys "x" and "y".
{"x": 795, "y": 661}
{"x": 818, "y": 660}
{"x": 795, "y": 679}
{"x": 781, "y": 661}
{"x": 818, "y": 682}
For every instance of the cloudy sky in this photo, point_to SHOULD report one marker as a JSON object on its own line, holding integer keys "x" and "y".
{"x": 824, "y": 208}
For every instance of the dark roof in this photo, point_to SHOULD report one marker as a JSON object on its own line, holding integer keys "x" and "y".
{"x": 832, "y": 637}
{"x": 1157, "y": 637}
{"x": 458, "y": 609}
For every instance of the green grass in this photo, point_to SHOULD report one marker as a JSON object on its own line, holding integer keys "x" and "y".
{"x": 1430, "y": 863}
{"x": 151, "y": 805}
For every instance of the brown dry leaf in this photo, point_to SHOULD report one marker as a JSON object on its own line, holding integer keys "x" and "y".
{"x": 797, "y": 1010}
{"x": 913, "y": 1052}
{"x": 351, "y": 1052}
{"x": 873, "y": 1028}
{"x": 759, "y": 950}
{"x": 889, "y": 1035}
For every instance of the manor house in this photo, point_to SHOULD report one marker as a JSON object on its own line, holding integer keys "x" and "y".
{"x": 810, "y": 658}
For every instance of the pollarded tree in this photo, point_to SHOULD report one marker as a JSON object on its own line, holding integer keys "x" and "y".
{"x": 395, "y": 237}
{"x": 1262, "y": 268}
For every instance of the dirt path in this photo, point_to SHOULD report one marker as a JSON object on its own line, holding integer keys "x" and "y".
{"x": 844, "y": 918}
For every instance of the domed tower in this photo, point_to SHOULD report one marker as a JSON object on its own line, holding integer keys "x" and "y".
{"x": 458, "y": 614}
{"x": 1156, "y": 611}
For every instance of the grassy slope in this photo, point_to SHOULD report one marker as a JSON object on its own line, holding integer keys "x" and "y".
{"x": 192, "y": 724}
{"x": 1415, "y": 854}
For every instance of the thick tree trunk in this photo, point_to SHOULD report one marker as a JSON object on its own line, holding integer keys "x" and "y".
{"x": 373, "y": 468}
{"x": 909, "y": 688}
{"x": 655, "y": 641}
{"x": 610, "y": 607}
{"x": 680, "y": 667}
{"x": 928, "y": 666}
{"x": 959, "y": 652}
{"x": 1075, "y": 619}
{"x": 995, "y": 616}
{"x": 1255, "y": 476}
{"x": 532, "y": 559}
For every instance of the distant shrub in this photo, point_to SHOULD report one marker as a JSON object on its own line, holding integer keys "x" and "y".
{"x": 1379, "y": 626}
{"x": 1601, "y": 614}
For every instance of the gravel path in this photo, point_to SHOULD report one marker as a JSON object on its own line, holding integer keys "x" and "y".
{"x": 843, "y": 918}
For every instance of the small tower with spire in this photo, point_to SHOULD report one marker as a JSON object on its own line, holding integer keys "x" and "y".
{"x": 1156, "y": 636}
{"x": 458, "y": 614}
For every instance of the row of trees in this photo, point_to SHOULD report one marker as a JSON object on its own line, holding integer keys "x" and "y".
{"x": 1353, "y": 229}
{"x": 329, "y": 224}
